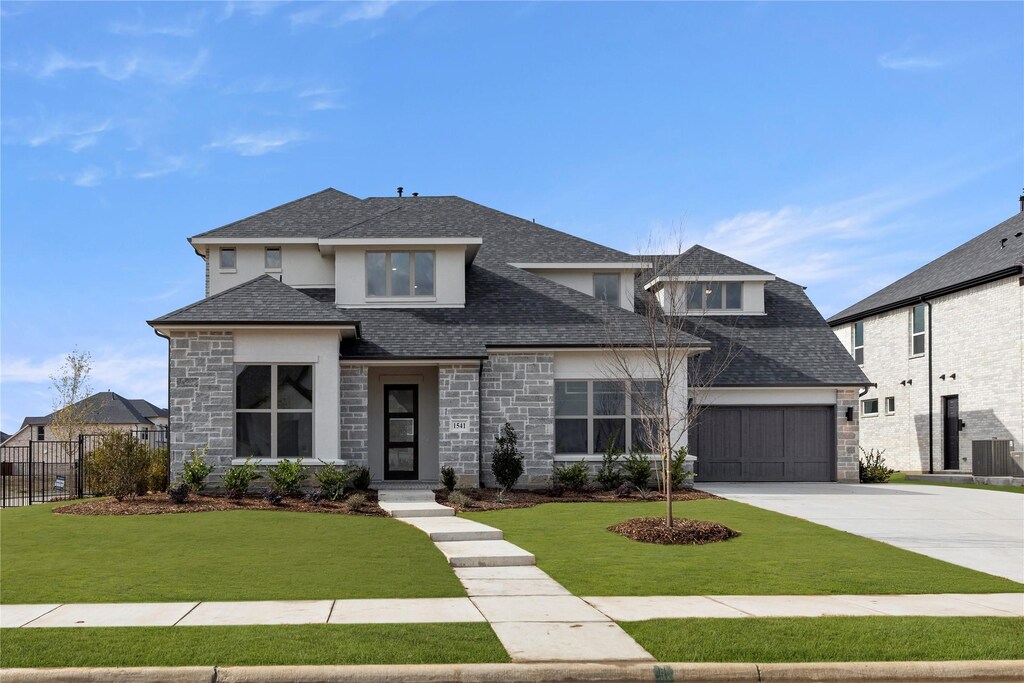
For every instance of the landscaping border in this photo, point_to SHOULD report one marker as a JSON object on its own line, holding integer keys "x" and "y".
{"x": 862, "y": 672}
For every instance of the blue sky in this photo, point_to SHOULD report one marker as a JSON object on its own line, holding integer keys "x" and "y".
{"x": 838, "y": 145}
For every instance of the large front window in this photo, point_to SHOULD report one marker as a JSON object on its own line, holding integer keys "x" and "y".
{"x": 273, "y": 411}
{"x": 591, "y": 415}
{"x": 399, "y": 273}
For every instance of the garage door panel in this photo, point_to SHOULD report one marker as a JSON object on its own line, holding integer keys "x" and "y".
{"x": 766, "y": 471}
{"x": 731, "y": 470}
{"x": 762, "y": 434}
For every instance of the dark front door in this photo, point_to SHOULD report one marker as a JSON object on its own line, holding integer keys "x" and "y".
{"x": 951, "y": 432}
{"x": 401, "y": 431}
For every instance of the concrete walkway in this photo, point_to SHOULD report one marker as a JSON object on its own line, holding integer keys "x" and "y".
{"x": 981, "y": 530}
{"x": 535, "y": 618}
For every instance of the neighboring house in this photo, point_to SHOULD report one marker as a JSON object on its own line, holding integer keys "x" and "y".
{"x": 400, "y": 333}
{"x": 777, "y": 393}
{"x": 944, "y": 348}
{"x": 4, "y": 436}
{"x": 100, "y": 413}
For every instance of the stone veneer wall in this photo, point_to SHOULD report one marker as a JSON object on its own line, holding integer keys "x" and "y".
{"x": 202, "y": 376}
{"x": 459, "y": 400}
{"x": 847, "y": 436}
{"x": 520, "y": 389}
{"x": 353, "y": 435}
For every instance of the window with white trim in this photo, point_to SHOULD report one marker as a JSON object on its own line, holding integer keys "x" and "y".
{"x": 890, "y": 405}
{"x": 858, "y": 342}
{"x": 714, "y": 296}
{"x": 606, "y": 287}
{"x": 227, "y": 258}
{"x": 272, "y": 258}
{"x": 917, "y": 331}
{"x": 273, "y": 411}
{"x": 399, "y": 273}
{"x": 590, "y": 415}
{"x": 869, "y": 406}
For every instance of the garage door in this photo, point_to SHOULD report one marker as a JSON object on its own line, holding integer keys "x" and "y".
{"x": 765, "y": 443}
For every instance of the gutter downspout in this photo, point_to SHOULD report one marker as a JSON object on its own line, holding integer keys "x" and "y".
{"x": 931, "y": 402}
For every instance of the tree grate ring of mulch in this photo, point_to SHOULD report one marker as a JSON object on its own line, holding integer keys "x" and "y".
{"x": 682, "y": 531}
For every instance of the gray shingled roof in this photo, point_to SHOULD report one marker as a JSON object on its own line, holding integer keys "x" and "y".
{"x": 310, "y": 216}
{"x": 261, "y": 300}
{"x": 999, "y": 250}
{"x": 147, "y": 409}
{"x": 699, "y": 260}
{"x": 105, "y": 407}
{"x": 791, "y": 345}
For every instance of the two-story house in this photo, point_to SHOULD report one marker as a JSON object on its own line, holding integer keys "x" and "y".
{"x": 400, "y": 333}
{"x": 944, "y": 349}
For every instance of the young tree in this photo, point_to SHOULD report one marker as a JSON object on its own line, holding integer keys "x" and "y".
{"x": 669, "y": 370}
{"x": 71, "y": 387}
{"x": 506, "y": 460}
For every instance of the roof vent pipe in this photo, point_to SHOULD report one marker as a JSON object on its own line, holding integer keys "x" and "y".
{"x": 400, "y": 191}
{"x": 1022, "y": 201}
{"x": 415, "y": 194}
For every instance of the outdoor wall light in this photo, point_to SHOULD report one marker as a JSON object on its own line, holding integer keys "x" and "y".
{"x": 849, "y": 414}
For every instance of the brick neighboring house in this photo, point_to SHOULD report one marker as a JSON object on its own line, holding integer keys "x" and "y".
{"x": 944, "y": 347}
{"x": 102, "y": 412}
{"x": 400, "y": 333}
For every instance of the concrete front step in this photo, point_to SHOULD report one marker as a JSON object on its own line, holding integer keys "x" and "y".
{"x": 485, "y": 554}
{"x": 455, "y": 529}
{"x": 406, "y": 503}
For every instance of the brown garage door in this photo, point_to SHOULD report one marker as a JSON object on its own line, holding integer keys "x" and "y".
{"x": 765, "y": 443}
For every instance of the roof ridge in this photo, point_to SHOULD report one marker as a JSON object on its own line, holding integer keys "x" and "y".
{"x": 349, "y": 226}
{"x": 274, "y": 208}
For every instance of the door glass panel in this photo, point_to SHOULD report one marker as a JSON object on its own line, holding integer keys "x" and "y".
{"x": 401, "y": 429}
{"x": 295, "y": 435}
{"x": 252, "y": 387}
{"x": 252, "y": 435}
{"x": 401, "y": 401}
{"x": 295, "y": 386}
{"x": 401, "y": 459}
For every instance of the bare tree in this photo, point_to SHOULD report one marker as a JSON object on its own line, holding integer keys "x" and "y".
{"x": 665, "y": 358}
{"x": 71, "y": 387}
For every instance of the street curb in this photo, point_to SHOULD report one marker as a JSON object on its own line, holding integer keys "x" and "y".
{"x": 861, "y": 672}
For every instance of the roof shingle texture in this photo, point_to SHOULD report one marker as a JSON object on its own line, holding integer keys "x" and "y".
{"x": 984, "y": 255}
{"x": 107, "y": 407}
{"x": 699, "y": 260}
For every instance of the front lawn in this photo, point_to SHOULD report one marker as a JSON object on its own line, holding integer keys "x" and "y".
{"x": 776, "y": 555}
{"x": 251, "y": 645}
{"x": 900, "y": 478}
{"x": 233, "y": 555}
{"x": 830, "y": 639}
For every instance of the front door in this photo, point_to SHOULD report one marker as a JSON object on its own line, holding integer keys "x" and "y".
{"x": 951, "y": 432}
{"x": 401, "y": 431}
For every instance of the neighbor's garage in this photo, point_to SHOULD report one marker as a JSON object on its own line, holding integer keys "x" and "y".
{"x": 764, "y": 443}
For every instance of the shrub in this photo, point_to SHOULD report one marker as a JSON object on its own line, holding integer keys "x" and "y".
{"x": 677, "y": 471}
{"x": 332, "y": 481}
{"x": 287, "y": 477}
{"x": 448, "y": 478}
{"x": 609, "y": 475}
{"x": 157, "y": 478}
{"x": 360, "y": 478}
{"x": 316, "y": 496}
{"x": 872, "y": 467}
{"x": 239, "y": 478}
{"x": 179, "y": 493}
{"x": 506, "y": 460}
{"x": 572, "y": 477}
{"x": 356, "y": 502}
{"x": 637, "y": 470}
{"x": 625, "y": 490}
{"x": 461, "y": 499}
{"x": 196, "y": 470}
{"x": 273, "y": 496}
{"x": 556, "y": 491}
{"x": 119, "y": 466}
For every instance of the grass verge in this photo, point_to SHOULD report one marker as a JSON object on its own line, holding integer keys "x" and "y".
{"x": 830, "y": 639}
{"x": 776, "y": 555}
{"x": 900, "y": 478}
{"x": 233, "y": 555}
{"x": 251, "y": 645}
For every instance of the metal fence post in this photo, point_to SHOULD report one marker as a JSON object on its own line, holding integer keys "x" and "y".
{"x": 30, "y": 473}
{"x": 80, "y": 479}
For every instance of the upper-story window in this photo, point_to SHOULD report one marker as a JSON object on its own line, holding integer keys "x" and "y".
{"x": 606, "y": 287}
{"x": 917, "y": 331}
{"x": 272, "y": 258}
{"x": 227, "y": 259}
{"x": 714, "y": 296}
{"x": 399, "y": 273}
{"x": 858, "y": 342}
{"x": 40, "y": 433}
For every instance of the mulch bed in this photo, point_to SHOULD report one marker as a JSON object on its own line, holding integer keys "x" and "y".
{"x": 161, "y": 504}
{"x": 487, "y": 498}
{"x": 682, "y": 531}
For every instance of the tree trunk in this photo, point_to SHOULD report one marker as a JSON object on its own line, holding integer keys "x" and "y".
{"x": 668, "y": 490}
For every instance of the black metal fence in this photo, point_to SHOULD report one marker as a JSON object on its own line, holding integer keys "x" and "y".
{"x": 47, "y": 471}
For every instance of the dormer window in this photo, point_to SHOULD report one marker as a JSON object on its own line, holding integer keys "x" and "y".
{"x": 227, "y": 259}
{"x": 714, "y": 296}
{"x": 606, "y": 287}
{"x": 399, "y": 273}
{"x": 272, "y": 258}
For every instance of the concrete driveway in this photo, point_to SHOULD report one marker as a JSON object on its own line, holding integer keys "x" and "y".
{"x": 982, "y": 530}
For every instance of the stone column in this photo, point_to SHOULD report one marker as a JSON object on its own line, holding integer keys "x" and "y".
{"x": 459, "y": 403}
{"x": 353, "y": 435}
{"x": 847, "y": 436}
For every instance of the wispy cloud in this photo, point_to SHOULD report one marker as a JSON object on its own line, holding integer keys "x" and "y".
{"x": 90, "y": 176}
{"x": 166, "y": 166}
{"x": 335, "y": 14}
{"x": 258, "y": 144}
{"x": 75, "y": 135}
{"x": 321, "y": 98}
{"x": 131, "y": 374}
{"x": 905, "y": 60}
{"x": 139, "y": 27}
{"x": 118, "y": 68}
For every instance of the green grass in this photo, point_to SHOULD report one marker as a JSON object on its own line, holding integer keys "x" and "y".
{"x": 900, "y": 478}
{"x": 830, "y": 639}
{"x": 776, "y": 555}
{"x": 250, "y": 645}
{"x": 231, "y": 555}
